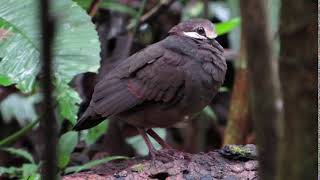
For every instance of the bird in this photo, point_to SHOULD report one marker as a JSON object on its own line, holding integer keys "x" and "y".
{"x": 162, "y": 85}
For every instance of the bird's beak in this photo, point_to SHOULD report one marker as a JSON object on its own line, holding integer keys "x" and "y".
{"x": 211, "y": 41}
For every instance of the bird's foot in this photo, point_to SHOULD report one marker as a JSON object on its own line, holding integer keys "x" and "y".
{"x": 156, "y": 137}
{"x": 166, "y": 155}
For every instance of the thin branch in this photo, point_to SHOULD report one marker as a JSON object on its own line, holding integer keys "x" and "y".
{"x": 136, "y": 22}
{"x": 94, "y": 6}
{"x": 158, "y": 9}
{"x": 48, "y": 121}
{"x": 17, "y": 135}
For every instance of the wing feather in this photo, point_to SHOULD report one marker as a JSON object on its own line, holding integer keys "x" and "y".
{"x": 152, "y": 74}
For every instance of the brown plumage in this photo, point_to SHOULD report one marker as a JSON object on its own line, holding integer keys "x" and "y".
{"x": 163, "y": 84}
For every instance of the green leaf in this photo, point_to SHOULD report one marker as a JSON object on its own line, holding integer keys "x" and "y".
{"x": 19, "y": 107}
{"x": 93, "y": 134}
{"x": 20, "y": 153}
{"x": 28, "y": 170}
{"x": 68, "y": 99}
{"x": 225, "y": 27}
{"x": 35, "y": 176}
{"x": 85, "y": 4}
{"x": 92, "y": 164}
{"x": 11, "y": 172}
{"x": 116, "y": 6}
{"x": 4, "y": 80}
{"x": 66, "y": 145}
{"x": 76, "y": 47}
{"x": 209, "y": 111}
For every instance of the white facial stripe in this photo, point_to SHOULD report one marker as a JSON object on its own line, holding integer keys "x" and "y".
{"x": 194, "y": 35}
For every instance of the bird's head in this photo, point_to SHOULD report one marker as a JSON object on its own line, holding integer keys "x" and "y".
{"x": 201, "y": 29}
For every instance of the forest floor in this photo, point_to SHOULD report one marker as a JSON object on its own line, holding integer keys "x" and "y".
{"x": 231, "y": 163}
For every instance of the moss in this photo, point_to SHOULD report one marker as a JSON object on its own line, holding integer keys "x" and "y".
{"x": 239, "y": 150}
{"x": 137, "y": 168}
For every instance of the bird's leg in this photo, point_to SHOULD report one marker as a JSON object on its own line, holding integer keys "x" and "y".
{"x": 152, "y": 150}
{"x": 156, "y": 137}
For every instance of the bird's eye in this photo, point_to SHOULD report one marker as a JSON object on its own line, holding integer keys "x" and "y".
{"x": 201, "y": 31}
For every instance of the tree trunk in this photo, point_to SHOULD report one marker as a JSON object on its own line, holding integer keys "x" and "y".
{"x": 238, "y": 120}
{"x": 264, "y": 83}
{"x": 298, "y": 54}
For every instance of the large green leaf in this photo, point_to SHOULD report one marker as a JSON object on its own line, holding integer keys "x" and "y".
{"x": 76, "y": 48}
{"x": 66, "y": 145}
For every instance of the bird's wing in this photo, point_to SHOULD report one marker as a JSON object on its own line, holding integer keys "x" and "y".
{"x": 112, "y": 93}
{"x": 159, "y": 81}
{"x": 153, "y": 74}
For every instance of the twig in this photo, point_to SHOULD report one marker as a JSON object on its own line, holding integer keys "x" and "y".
{"x": 162, "y": 6}
{"x": 94, "y": 6}
{"x": 48, "y": 121}
{"x": 13, "y": 137}
{"x": 136, "y": 22}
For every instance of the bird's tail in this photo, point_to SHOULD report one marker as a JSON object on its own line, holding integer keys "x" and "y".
{"x": 87, "y": 120}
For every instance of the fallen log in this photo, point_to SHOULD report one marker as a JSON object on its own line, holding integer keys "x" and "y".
{"x": 231, "y": 162}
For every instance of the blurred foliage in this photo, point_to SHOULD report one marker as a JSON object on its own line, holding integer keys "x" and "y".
{"x": 193, "y": 10}
{"x": 226, "y": 27}
{"x": 209, "y": 111}
{"x": 85, "y": 4}
{"x": 4, "y": 81}
{"x": 66, "y": 145}
{"x": 90, "y": 136}
{"x": 19, "y": 107}
{"x": 76, "y": 48}
{"x": 28, "y": 171}
{"x": 68, "y": 101}
{"x": 216, "y": 9}
{"x": 20, "y": 153}
{"x": 92, "y": 164}
{"x": 15, "y": 136}
{"x": 116, "y": 6}
{"x": 111, "y": 5}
